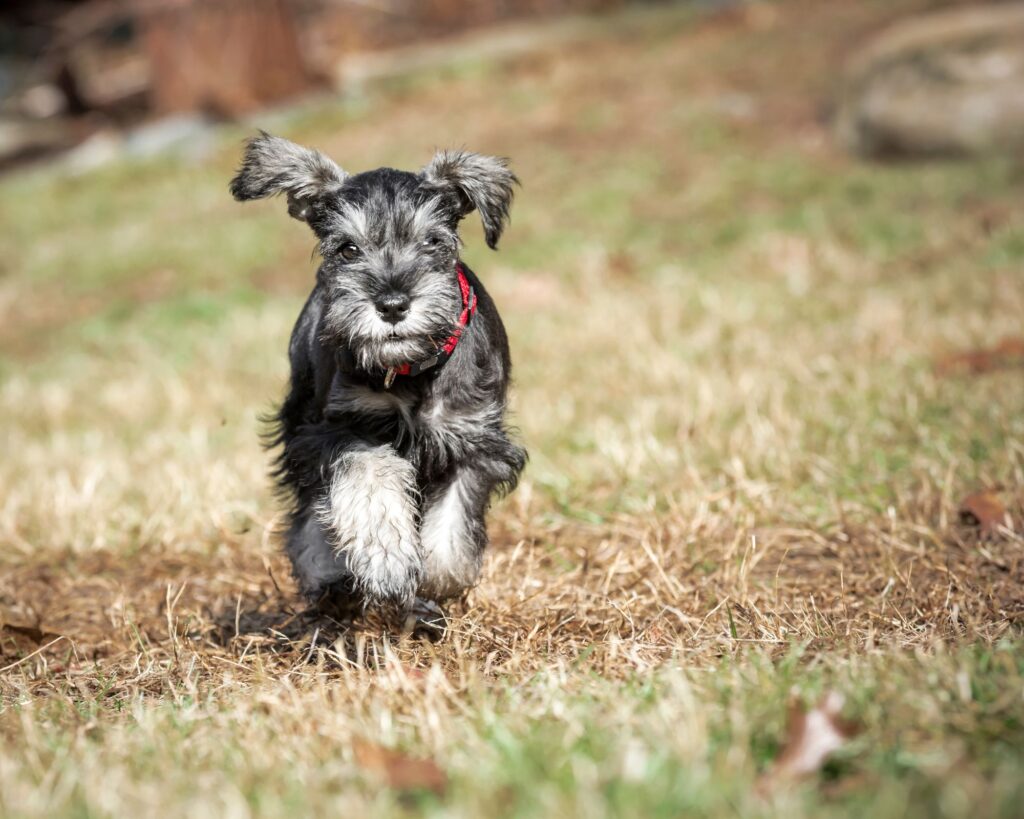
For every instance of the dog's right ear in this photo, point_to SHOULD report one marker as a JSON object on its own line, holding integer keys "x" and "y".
{"x": 272, "y": 165}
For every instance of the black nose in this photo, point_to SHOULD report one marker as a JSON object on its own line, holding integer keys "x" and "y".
{"x": 393, "y": 307}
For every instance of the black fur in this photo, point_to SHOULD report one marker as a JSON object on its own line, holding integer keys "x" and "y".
{"x": 389, "y": 488}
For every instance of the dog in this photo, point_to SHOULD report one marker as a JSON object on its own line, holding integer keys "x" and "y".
{"x": 392, "y": 436}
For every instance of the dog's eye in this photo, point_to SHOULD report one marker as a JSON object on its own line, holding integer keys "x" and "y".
{"x": 431, "y": 242}
{"x": 348, "y": 251}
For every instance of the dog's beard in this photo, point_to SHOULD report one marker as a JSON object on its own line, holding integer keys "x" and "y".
{"x": 393, "y": 352}
{"x": 378, "y": 345}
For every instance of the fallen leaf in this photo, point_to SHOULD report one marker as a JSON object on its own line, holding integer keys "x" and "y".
{"x": 1007, "y": 353}
{"x": 33, "y": 633}
{"x": 398, "y": 770}
{"x": 985, "y": 510}
{"x": 1012, "y": 347}
{"x": 18, "y": 641}
{"x": 811, "y": 737}
{"x": 621, "y": 264}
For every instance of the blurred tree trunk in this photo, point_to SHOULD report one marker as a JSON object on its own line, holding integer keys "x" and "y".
{"x": 224, "y": 57}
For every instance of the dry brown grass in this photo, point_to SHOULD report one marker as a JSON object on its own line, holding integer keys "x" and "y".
{"x": 747, "y": 461}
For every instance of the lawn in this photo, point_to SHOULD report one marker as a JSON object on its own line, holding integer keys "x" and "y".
{"x": 751, "y": 374}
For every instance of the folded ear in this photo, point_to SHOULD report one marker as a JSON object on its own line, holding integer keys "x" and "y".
{"x": 478, "y": 182}
{"x": 272, "y": 165}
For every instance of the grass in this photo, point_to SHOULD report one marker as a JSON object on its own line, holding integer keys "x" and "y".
{"x": 746, "y": 463}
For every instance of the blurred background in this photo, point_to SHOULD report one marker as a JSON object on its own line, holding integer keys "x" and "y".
{"x": 83, "y": 72}
{"x": 73, "y": 68}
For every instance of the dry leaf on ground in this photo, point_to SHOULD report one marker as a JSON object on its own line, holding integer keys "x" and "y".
{"x": 811, "y": 737}
{"x": 35, "y": 634}
{"x": 398, "y": 770}
{"x": 1007, "y": 353}
{"x": 985, "y": 510}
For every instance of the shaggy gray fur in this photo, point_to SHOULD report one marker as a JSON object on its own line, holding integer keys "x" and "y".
{"x": 273, "y": 165}
{"x": 389, "y": 484}
{"x": 481, "y": 182}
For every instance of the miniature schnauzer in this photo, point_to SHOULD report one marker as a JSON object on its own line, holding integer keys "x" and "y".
{"x": 393, "y": 434}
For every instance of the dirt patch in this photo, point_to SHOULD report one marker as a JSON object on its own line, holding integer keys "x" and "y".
{"x": 594, "y": 591}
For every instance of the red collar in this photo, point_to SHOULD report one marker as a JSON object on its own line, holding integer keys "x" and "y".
{"x": 444, "y": 352}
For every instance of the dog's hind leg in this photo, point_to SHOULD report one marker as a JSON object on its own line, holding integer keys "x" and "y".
{"x": 323, "y": 574}
{"x": 369, "y": 513}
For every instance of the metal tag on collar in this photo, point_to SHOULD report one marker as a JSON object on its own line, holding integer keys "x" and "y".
{"x": 426, "y": 364}
{"x": 389, "y": 377}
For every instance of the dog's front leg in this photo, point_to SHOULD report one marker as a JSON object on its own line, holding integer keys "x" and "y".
{"x": 454, "y": 534}
{"x": 369, "y": 513}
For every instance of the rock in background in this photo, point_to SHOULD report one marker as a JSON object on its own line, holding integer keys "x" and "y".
{"x": 944, "y": 83}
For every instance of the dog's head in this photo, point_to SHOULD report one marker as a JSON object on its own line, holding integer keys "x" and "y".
{"x": 389, "y": 239}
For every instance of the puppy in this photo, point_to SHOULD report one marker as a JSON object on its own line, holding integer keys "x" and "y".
{"x": 393, "y": 435}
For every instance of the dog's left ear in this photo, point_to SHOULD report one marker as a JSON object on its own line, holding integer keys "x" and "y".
{"x": 272, "y": 165}
{"x": 478, "y": 182}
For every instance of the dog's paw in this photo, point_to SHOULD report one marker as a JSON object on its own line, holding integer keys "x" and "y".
{"x": 385, "y": 565}
{"x": 339, "y": 600}
{"x": 425, "y": 620}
